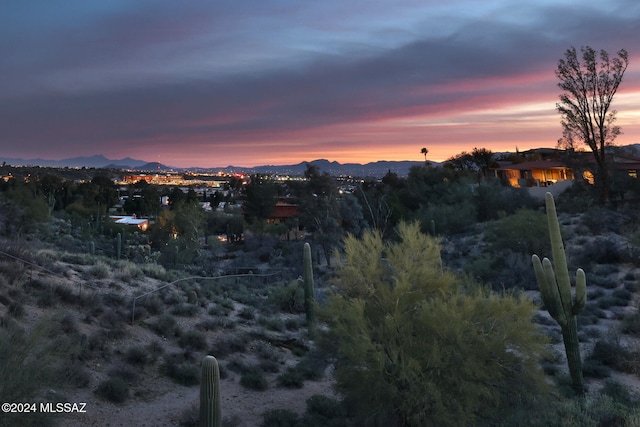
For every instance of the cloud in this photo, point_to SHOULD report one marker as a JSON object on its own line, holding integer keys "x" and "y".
{"x": 215, "y": 76}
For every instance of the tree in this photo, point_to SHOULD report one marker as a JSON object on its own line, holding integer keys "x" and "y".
{"x": 588, "y": 88}
{"x": 424, "y": 151}
{"x": 415, "y": 348}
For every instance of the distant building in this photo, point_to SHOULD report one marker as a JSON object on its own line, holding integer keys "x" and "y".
{"x": 538, "y": 173}
{"x": 141, "y": 223}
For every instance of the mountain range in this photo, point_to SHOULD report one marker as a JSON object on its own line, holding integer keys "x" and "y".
{"x": 372, "y": 169}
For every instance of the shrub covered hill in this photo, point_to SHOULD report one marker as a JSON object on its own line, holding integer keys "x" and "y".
{"x": 418, "y": 305}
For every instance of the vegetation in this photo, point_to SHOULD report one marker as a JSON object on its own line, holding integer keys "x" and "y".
{"x": 555, "y": 288}
{"x": 411, "y": 276}
{"x": 402, "y": 330}
{"x": 588, "y": 89}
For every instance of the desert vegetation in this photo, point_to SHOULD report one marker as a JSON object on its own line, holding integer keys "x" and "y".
{"x": 405, "y": 301}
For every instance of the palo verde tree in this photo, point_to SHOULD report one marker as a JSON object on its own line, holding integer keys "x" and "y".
{"x": 588, "y": 88}
{"x": 414, "y": 347}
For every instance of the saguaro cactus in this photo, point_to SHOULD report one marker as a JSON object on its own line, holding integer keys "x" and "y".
{"x": 309, "y": 297}
{"x": 555, "y": 287}
{"x": 118, "y": 245}
{"x": 210, "y": 413}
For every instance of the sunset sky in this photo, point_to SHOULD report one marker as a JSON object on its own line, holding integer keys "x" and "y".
{"x": 213, "y": 83}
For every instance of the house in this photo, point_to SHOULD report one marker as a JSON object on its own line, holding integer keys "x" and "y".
{"x": 284, "y": 209}
{"x": 536, "y": 173}
{"x": 141, "y": 223}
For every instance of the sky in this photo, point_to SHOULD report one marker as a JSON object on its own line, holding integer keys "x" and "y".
{"x": 211, "y": 83}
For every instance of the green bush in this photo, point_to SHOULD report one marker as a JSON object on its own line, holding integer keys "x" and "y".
{"x": 324, "y": 411}
{"x": 413, "y": 348}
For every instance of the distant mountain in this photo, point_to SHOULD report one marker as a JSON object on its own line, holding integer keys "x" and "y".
{"x": 97, "y": 161}
{"x": 375, "y": 169}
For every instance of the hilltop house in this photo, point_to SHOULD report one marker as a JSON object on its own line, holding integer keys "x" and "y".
{"x": 537, "y": 173}
{"x": 141, "y": 223}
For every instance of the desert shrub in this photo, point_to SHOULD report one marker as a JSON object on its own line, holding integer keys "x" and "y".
{"x": 405, "y": 336}
{"x": 272, "y": 323}
{"x": 269, "y": 366}
{"x": 600, "y": 250}
{"x": 193, "y": 340}
{"x": 266, "y": 351}
{"x": 100, "y": 270}
{"x": 16, "y": 309}
{"x": 227, "y": 344}
{"x": 98, "y": 344}
{"x": 219, "y": 310}
{"x": 155, "y": 271}
{"x": 632, "y": 286}
{"x": 125, "y": 372}
{"x": 184, "y": 309}
{"x": 623, "y": 295}
{"x": 137, "y": 355}
{"x": 247, "y": 313}
{"x": 237, "y": 365}
{"x": 448, "y": 218}
{"x": 113, "y": 389}
{"x": 631, "y": 324}
{"x": 280, "y": 418}
{"x": 166, "y": 325}
{"x": 595, "y": 369}
{"x": 66, "y": 294}
{"x": 254, "y": 379}
{"x": 324, "y": 411}
{"x": 604, "y": 282}
{"x": 291, "y": 324}
{"x": 520, "y": 232}
{"x": 153, "y": 304}
{"x": 288, "y": 298}
{"x": 291, "y": 378}
{"x": 595, "y": 293}
{"x": 605, "y": 269}
{"x": 73, "y": 372}
{"x": 212, "y": 324}
{"x": 181, "y": 368}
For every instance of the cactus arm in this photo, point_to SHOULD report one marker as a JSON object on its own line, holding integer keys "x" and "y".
{"x": 210, "y": 412}
{"x": 549, "y": 289}
{"x": 581, "y": 292}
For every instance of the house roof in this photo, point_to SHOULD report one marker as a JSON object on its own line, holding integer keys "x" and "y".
{"x": 539, "y": 164}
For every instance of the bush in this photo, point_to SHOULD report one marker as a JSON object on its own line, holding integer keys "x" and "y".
{"x": 137, "y": 356}
{"x": 280, "y": 418}
{"x": 181, "y": 369}
{"x": 166, "y": 325}
{"x": 291, "y": 378}
{"x": 193, "y": 340}
{"x": 254, "y": 379}
{"x": 113, "y": 389}
{"x": 405, "y": 336}
{"x": 323, "y": 411}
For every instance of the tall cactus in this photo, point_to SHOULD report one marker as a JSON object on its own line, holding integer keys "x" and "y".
{"x": 210, "y": 412}
{"x": 309, "y": 297}
{"x": 555, "y": 287}
{"x": 118, "y": 245}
